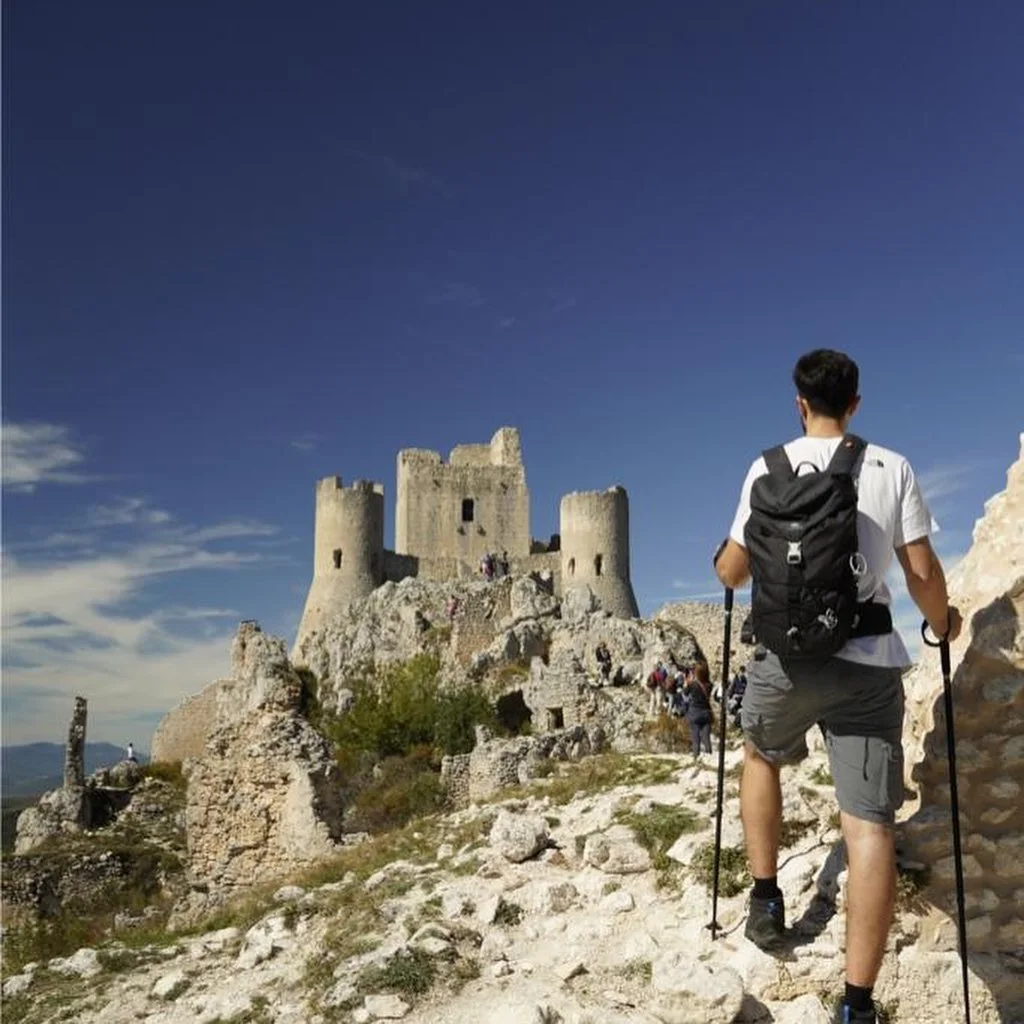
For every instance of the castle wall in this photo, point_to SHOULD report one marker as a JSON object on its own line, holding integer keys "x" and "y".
{"x": 475, "y": 503}
{"x": 184, "y": 731}
{"x": 348, "y": 549}
{"x": 595, "y": 547}
{"x": 478, "y": 618}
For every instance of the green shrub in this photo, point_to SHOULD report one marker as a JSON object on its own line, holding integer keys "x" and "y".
{"x": 733, "y": 876}
{"x": 402, "y": 788}
{"x": 409, "y": 972}
{"x": 165, "y": 771}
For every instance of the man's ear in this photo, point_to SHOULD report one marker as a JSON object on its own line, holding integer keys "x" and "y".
{"x": 854, "y": 406}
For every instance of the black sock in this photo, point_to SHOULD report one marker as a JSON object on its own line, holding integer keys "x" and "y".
{"x": 858, "y": 998}
{"x": 767, "y": 888}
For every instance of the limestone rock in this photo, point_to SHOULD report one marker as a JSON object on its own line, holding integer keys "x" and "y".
{"x": 170, "y": 986}
{"x": 988, "y": 689}
{"x": 126, "y": 774}
{"x": 618, "y": 902}
{"x": 84, "y": 964}
{"x": 688, "y": 990}
{"x": 518, "y": 837}
{"x": 262, "y": 941}
{"x": 385, "y": 1007}
{"x": 616, "y": 853}
{"x": 16, "y": 984}
{"x": 807, "y": 1009}
{"x": 578, "y": 602}
{"x": 529, "y": 600}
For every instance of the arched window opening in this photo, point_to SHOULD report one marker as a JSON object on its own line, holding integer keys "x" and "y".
{"x": 598, "y": 563}
{"x": 337, "y": 558}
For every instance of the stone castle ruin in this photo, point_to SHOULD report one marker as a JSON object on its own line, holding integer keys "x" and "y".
{"x": 448, "y": 515}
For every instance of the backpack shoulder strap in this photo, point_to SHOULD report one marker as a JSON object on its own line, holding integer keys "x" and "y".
{"x": 846, "y": 455}
{"x": 778, "y": 462}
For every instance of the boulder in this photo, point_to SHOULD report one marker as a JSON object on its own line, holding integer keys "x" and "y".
{"x": 688, "y": 990}
{"x": 518, "y": 837}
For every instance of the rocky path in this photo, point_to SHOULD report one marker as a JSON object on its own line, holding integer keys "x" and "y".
{"x": 537, "y": 909}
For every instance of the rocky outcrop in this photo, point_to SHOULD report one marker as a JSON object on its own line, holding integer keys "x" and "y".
{"x": 707, "y": 624}
{"x": 264, "y": 798}
{"x": 988, "y": 693}
{"x": 81, "y": 803}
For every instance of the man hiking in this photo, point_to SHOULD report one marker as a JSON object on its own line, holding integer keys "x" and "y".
{"x": 818, "y": 523}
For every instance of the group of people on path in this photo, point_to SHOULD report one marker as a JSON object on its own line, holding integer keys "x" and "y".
{"x": 492, "y": 567}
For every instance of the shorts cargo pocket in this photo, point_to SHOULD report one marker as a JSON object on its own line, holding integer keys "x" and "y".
{"x": 868, "y": 773}
{"x": 890, "y": 775}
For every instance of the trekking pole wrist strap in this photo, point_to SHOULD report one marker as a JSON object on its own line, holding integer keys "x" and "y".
{"x": 940, "y": 640}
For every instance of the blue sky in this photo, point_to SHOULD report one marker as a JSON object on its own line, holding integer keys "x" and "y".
{"x": 249, "y": 245}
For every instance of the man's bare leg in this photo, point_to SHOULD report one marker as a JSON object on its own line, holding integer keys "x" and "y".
{"x": 870, "y": 896}
{"x": 761, "y": 812}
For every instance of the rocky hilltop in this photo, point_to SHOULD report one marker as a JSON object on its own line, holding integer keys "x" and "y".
{"x": 562, "y": 872}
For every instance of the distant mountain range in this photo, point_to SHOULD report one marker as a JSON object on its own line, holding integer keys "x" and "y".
{"x": 33, "y": 768}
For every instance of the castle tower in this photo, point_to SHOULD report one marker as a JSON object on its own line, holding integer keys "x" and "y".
{"x": 595, "y": 547}
{"x": 459, "y": 510}
{"x": 348, "y": 549}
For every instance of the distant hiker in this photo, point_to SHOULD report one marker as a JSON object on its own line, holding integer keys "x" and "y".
{"x": 655, "y": 681}
{"x": 503, "y": 564}
{"x": 825, "y": 514}
{"x": 604, "y": 659}
{"x": 734, "y": 696}
{"x": 679, "y": 702}
{"x": 487, "y": 567}
{"x": 451, "y": 607}
{"x": 130, "y": 754}
{"x": 698, "y": 712}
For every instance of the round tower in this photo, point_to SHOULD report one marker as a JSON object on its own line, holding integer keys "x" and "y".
{"x": 595, "y": 547}
{"x": 348, "y": 549}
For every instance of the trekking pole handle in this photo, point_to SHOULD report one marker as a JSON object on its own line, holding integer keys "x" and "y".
{"x": 941, "y": 642}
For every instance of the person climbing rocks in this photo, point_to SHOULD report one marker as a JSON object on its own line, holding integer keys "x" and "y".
{"x": 604, "y": 660}
{"x": 130, "y": 753}
{"x": 855, "y": 692}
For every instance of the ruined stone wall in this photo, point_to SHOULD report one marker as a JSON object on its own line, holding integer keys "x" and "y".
{"x": 558, "y": 698}
{"x": 478, "y": 619}
{"x": 595, "y": 547}
{"x": 988, "y": 707}
{"x": 431, "y": 520}
{"x": 184, "y": 731}
{"x": 706, "y": 621}
{"x": 455, "y": 779}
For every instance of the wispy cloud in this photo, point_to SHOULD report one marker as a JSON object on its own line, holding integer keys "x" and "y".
{"x": 82, "y": 614}
{"x": 945, "y": 480}
{"x": 401, "y": 176}
{"x": 41, "y": 453}
{"x": 507, "y": 322}
{"x": 307, "y": 442}
{"x": 456, "y": 293}
{"x": 564, "y": 305}
{"x": 126, "y": 512}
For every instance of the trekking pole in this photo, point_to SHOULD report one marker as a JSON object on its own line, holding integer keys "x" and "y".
{"x": 714, "y": 925}
{"x": 954, "y": 799}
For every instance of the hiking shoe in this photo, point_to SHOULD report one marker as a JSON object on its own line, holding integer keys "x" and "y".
{"x": 844, "y": 1015}
{"x": 766, "y": 922}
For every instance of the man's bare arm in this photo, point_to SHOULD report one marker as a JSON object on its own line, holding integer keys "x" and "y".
{"x": 733, "y": 565}
{"x": 926, "y": 583}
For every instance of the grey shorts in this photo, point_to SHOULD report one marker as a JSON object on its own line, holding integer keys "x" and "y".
{"x": 860, "y": 709}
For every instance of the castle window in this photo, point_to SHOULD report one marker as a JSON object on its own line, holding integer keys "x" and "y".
{"x": 467, "y": 510}
{"x": 337, "y": 558}
{"x": 598, "y": 562}
{"x": 556, "y": 719}
{"x": 572, "y": 566}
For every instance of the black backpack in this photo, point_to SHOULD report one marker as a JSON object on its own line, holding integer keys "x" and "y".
{"x": 802, "y": 541}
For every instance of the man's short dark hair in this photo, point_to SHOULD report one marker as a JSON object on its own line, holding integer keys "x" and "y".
{"x": 827, "y": 380}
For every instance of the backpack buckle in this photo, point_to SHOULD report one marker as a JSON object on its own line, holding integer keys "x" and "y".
{"x": 794, "y": 555}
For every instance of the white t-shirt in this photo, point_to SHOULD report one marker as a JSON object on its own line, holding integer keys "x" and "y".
{"x": 891, "y": 512}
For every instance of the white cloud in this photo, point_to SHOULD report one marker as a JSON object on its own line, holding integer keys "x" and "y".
{"x": 40, "y": 453}
{"x": 945, "y": 480}
{"x": 126, "y": 512}
{"x": 506, "y": 323}
{"x": 307, "y": 442}
{"x": 405, "y": 179}
{"x": 564, "y": 305}
{"x": 82, "y": 611}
